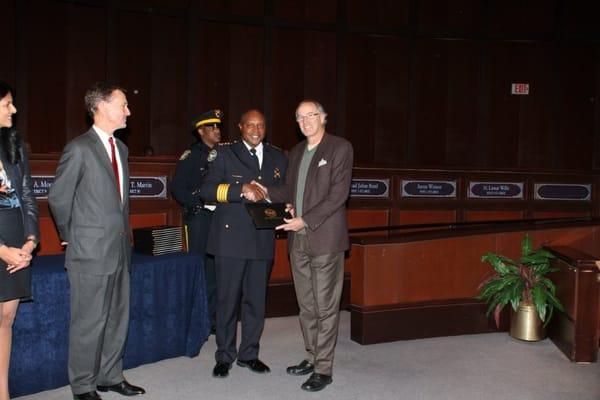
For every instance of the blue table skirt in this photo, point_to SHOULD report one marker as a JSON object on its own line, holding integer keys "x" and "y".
{"x": 168, "y": 318}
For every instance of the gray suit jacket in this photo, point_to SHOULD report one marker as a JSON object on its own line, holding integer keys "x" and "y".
{"x": 87, "y": 208}
{"x": 326, "y": 191}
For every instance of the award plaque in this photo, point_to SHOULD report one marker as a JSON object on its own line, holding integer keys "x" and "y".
{"x": 267, "y": 215}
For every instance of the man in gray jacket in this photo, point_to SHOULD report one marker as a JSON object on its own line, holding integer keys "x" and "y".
{"x": 90, "y": 204}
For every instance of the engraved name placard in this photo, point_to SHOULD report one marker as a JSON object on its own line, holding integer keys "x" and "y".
{"x": 139, "y": 186}
{"x": 422, "y": 188}
{"x": 148, "y": 187}
{"x": 563, "y": 191}
{"x": 41, "y": 185}
{"x": 495, "y": 190}
{"x": 370, "y": 188}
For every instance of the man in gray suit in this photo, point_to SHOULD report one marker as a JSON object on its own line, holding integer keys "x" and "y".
{"x": 90, "y": 204}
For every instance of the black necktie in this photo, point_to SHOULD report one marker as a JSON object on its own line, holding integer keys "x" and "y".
{"x": 255, "y": 157}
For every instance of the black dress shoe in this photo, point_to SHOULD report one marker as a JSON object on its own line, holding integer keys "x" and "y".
{"x": 125, "y": 388}
{"x": 316, "y": 382}
{"x": 255, "y": 366}
{"x": 87, "y": 396}
{"x": 221, "y": 370}
{"x": 304, "y": 368}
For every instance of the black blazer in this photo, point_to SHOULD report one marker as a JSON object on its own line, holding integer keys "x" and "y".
{"x": 20, "y": 178}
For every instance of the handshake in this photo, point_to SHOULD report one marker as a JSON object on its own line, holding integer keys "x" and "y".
{"x": 254, "y": 192}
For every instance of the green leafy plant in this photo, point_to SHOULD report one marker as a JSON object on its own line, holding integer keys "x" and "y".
{"x": 523, "y": 280}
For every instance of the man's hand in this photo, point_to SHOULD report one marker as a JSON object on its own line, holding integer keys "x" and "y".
{"x": 294, "y": 224}
{"x": 289, "y": 207}
{"x": 253, "y": 192}
{"x": 263, "y": 188}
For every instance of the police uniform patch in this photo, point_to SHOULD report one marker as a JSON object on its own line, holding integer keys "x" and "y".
{"x": 211, "y": 155}
{"x": 185, "y": 155}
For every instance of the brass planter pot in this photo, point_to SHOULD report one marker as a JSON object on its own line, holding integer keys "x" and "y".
{"x": 525, "y": 323}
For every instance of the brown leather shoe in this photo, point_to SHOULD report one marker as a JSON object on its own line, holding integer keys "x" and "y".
{"x": 124, "y": 388}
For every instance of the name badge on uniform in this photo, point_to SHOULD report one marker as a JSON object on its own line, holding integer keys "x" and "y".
{"x": 212, "y": 155}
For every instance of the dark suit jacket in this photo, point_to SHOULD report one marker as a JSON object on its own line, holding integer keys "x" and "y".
{"x": 189, "y": 174}
{"x": 325, "y": 193}
{"x": 232, "y": 232}
{"x": 20, "y": 179}
{"x": 185, "y": 188}
{"x": 87, "y": 208}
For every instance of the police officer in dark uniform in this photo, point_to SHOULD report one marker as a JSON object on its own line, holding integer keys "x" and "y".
{"x": 243, "y": 254}
{"x": 191, "y": 170}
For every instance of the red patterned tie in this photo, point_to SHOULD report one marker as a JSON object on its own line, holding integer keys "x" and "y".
{"x": 114, "y": 163}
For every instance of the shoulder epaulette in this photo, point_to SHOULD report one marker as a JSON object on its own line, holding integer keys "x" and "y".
{"x": 185, "y": 155}
{"x": 275, "y": 147}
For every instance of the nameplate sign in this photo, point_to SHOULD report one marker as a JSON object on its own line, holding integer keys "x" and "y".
{"x": 370, "y": 188}
{"x": 41, "y": 185}
{"x": 139, "y": 186}
{"x": 428, "y": 188}
{"x": 563, "y": 191}
{"x": 148, "y": 187}
{"x": 495, "y": 190}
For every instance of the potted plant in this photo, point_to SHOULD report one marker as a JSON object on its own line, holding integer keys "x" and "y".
{"x": 525, "y": 285}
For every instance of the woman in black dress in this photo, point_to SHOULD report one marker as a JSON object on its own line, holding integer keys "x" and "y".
{"x": 19, "y": 230}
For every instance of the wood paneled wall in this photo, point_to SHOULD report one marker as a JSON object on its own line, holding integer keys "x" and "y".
{"x": 411, "y": 83}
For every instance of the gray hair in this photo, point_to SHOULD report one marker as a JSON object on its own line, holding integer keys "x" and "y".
{"x": 100, "y": 91}
{"x": 318, "y": 105}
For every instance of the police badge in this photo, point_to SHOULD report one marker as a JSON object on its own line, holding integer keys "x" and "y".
{"x": 276, "y": 173}
{"x": 211, "y": 155}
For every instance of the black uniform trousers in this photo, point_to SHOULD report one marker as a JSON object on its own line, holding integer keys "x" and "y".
{"x": 246, "y": 279}
{"x": 198, "y": 229}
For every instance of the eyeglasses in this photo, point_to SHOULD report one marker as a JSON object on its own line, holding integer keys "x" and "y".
{"x": 312, "y": 115}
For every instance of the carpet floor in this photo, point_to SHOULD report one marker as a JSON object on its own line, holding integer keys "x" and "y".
{"x": 471, "y": 367}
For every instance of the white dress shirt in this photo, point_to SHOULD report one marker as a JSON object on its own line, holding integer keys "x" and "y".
{"x": 259, "y": 152}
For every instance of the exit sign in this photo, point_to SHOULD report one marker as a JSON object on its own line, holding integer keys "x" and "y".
{"x": 519, "y": 88}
